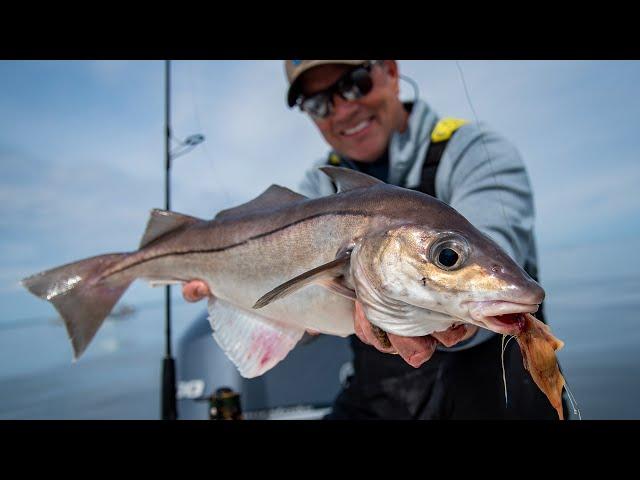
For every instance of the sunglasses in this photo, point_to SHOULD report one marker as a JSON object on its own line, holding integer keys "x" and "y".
{"x": 352, "y": 85}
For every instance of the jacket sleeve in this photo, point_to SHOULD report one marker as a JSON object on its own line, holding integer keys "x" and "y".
{"x": 483, "y": 177}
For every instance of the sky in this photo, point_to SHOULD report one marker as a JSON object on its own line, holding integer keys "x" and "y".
{"x": 82, "y": 155}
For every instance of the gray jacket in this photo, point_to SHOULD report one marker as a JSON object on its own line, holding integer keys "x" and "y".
{"x": 494, "y": 195}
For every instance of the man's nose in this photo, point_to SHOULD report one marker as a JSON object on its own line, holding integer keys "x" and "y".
{"x": 342, "y": 108}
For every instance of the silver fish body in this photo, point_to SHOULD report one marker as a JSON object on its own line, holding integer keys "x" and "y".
{"x": 283, "y": 263}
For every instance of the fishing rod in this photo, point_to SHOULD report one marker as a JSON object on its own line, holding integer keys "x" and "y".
{"x": 168, "y": 400}
{"x": 168, "y": 392}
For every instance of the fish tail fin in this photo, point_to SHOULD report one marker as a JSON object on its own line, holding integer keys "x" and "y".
{"x": 80, "y": 294}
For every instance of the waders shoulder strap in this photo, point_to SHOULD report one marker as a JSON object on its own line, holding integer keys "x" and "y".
{"x": 440, "y": 136}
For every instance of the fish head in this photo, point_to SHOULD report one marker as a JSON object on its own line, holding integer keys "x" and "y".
{"x": 457, "y": 275}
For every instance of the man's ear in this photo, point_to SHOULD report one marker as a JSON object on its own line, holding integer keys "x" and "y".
{"x": 391, "y": 69}
{"x": 391, "y": 66}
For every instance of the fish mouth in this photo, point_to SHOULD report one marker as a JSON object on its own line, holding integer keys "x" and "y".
{"x": 501, "y": 317}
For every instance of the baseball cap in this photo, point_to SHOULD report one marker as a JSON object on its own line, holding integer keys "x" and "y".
{"x": 295, "y": 68}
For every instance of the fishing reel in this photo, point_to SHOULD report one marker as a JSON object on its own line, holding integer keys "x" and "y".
{"x": 224, "y": 403}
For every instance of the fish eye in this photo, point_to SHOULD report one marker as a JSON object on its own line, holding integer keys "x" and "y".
{"x": 449, "y": 253}
{"x": 448, "y": 257}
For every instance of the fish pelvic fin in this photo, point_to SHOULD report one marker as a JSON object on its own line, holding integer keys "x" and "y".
{"x": 162, "y": 222}
{"x": 80, "y": 295}
{"x": 253, "y": 343}
{"x": 346, "y": 179}
{"x": 326, "y": 275}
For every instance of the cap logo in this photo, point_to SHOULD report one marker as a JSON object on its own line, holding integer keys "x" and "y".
{"x": 295, "y": 63}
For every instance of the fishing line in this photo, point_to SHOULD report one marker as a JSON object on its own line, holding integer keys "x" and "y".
{"x": 501, "y": 201}
{"x": 196, "y": 114}
{"x": 572, "y": 399}
{"x": 482, "y": 139}
{"x": 504, "y": 375}
{"x": 482, "y": 133}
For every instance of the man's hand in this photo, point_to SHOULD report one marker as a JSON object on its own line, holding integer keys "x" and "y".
{"x": 414, "y": 350}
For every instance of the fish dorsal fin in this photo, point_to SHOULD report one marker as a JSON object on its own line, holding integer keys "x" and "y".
{"x": 274, "y": 196}
{"x": 326, "y": 275}
{"x": 162, "y": 222}
{"x": 346, "y": 179}
{"x": 253, "y": 343}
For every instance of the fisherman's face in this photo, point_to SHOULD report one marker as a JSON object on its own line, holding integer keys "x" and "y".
{"x": 359, "y": 129}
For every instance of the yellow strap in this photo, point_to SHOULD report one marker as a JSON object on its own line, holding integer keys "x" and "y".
{"x": 445, "y": 128}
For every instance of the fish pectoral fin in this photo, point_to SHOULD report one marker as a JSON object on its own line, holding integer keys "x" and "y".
{"x": 253, "y": 343}
{"x": 320, "y": 275}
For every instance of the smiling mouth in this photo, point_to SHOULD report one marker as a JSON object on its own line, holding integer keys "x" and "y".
{"x": 357, "y": 128}
{"x": 501, "y": 317}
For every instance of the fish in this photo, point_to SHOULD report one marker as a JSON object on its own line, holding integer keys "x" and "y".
{"x": 282, "y": 264}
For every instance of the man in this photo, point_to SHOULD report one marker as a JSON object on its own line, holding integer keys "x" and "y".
{"x": 356, "y": 106}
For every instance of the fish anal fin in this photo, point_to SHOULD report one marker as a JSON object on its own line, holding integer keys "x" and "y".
{"x": 272, "y": 197}
{"x": 253, "y": 343}
{"x": 346, "y": 179}
{"x": 328, "y": 271}
{"x": 162, "y": 222}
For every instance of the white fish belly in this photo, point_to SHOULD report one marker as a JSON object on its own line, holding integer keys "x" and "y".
{"x": 312, "y": 307}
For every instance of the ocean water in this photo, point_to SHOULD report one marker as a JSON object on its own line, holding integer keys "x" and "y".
{"x": 119, "y": 376}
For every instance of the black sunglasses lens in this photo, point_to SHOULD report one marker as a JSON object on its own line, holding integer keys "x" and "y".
{"x": 357, "y": 84}
{"x": 362, "y": 79}
{"x": 317, "y": 105}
